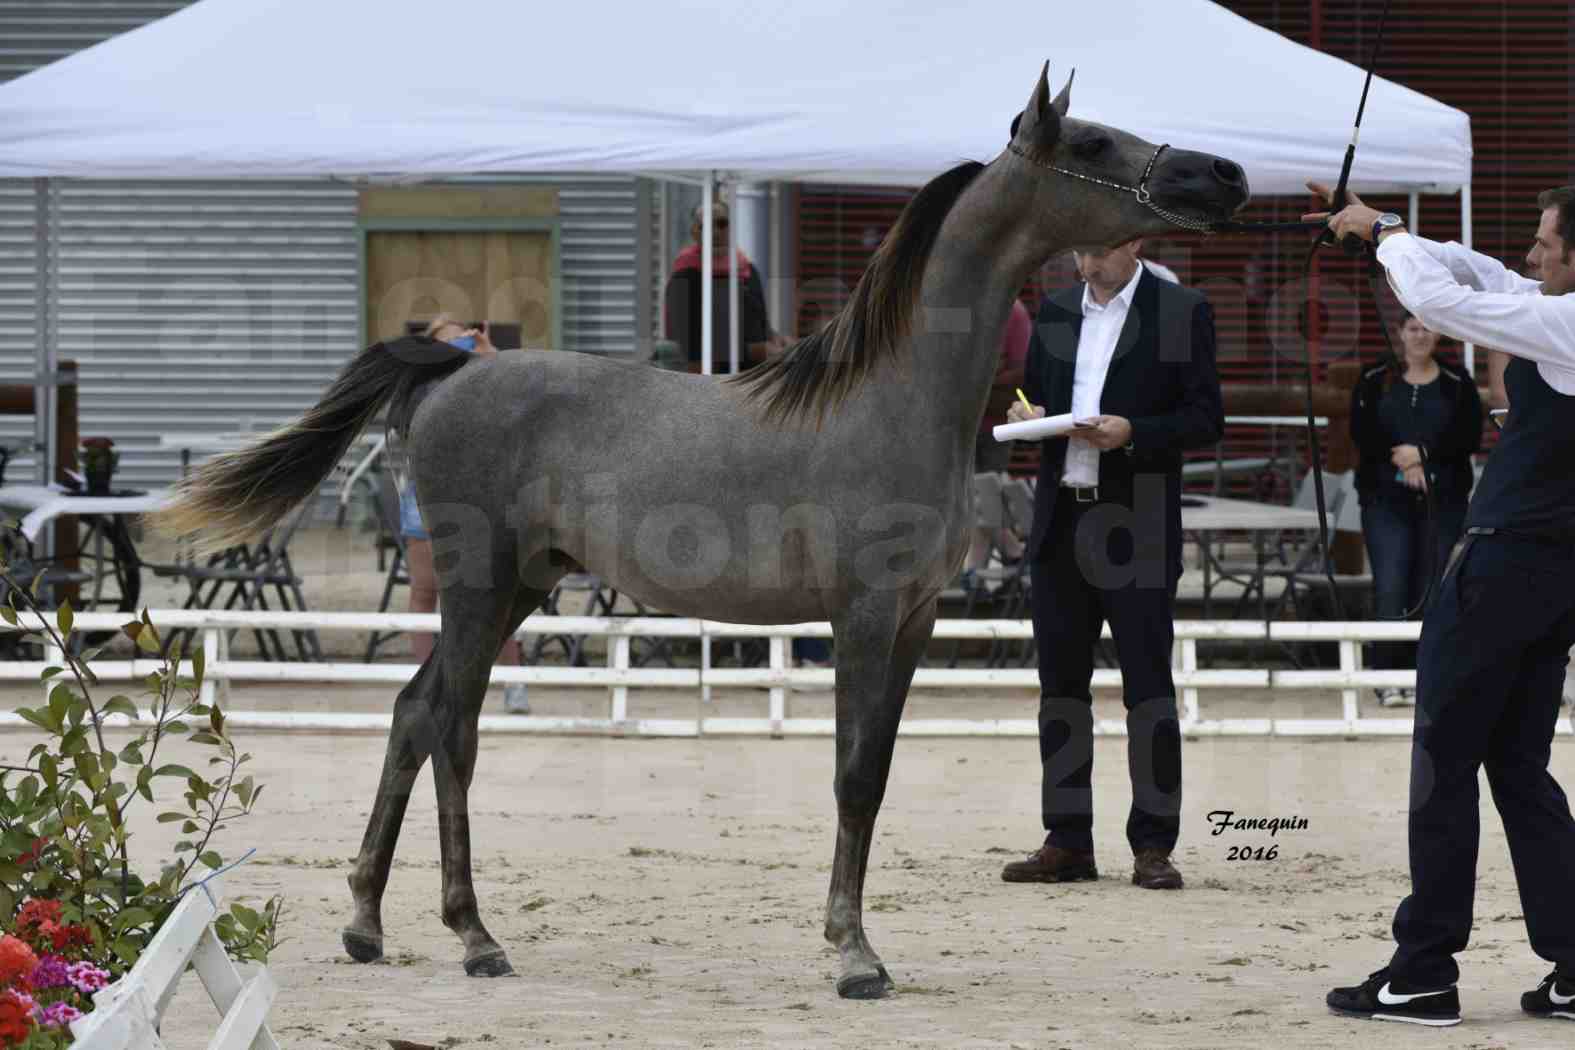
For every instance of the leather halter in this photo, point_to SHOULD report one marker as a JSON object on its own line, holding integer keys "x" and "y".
{"x": 1140, "y": 191}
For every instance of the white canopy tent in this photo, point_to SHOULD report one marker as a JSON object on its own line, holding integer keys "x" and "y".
{"x": 881, "y": 91}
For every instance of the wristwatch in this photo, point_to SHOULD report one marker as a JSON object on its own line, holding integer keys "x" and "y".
{"x": 1387, "y": 221}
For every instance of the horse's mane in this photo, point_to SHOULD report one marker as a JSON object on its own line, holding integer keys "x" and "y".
{"x": 821, "y": 370}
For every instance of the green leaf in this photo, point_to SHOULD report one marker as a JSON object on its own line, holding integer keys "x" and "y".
{"x": 122, "y": 705}
{"x": 212, "y": 859}
{"x": 39, "y": 719}
{"x": 144, "y": 782}
{"x": 148, "y": 639}
{"x": 132, "y": 917}
{"x": 8, "y": 614}
{"x": 199, "y": 664}
{"x": 173, "y": 770}
{"x": 176, "y": 727}
{"x": 131, "y": 754}
{"x": 170, "y": 817}
{"x": 49, "y": 672}
{"x": 216, "y": 720}
{"x": 63, "y": 618}
{"x": 202, "y": 736}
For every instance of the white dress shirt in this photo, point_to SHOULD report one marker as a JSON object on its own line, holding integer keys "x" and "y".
{"x": 1096, "y": 348}
{"x": 1474, "y": 298}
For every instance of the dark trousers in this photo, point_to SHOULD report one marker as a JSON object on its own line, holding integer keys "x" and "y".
{"x": 1397, "y": 532}
{"x": 1494, "y": 646}
{"x": 1088, "y": 573}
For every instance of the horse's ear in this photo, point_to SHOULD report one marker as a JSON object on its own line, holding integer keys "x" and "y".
{"x": 1039, "y": 122}
{"x": 1063, "y": 101}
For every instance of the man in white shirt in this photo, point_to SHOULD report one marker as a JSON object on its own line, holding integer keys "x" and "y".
{"x": 1131, "y": 356}
{"x": 1498, "y": 630}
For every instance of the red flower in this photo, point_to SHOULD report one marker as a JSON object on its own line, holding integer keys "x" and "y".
{"x": 16, "y": 959}
{"x": 38, "y": 911}
{"x": 16, "y": 1021}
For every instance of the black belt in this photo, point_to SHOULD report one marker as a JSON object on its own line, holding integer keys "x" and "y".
{"x": 1083, "y": 493}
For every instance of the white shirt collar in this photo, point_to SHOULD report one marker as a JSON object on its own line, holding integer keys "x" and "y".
{"x": 1124, "y": 297}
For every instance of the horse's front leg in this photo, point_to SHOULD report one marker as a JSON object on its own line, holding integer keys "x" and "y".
{"x": 875, "y": 663}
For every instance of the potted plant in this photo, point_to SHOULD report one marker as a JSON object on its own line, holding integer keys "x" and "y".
{"x": 99, "y": 459}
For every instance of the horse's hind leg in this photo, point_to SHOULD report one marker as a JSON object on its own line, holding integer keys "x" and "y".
{"x": 476, "y": 625}
{"x": 875, "y": 663}
{"x": 410, "y": 741}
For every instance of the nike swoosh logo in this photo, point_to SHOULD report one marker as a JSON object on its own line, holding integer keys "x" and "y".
{"x": 1389, "y": 998}
{"x": 1559, "y": 1000}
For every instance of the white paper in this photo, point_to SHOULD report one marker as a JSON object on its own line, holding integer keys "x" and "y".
{"x": 1036, "y": 429}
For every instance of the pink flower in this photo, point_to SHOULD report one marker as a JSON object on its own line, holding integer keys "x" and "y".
{"x": 87, "y": 978}
{"x": 59, "y": 1015}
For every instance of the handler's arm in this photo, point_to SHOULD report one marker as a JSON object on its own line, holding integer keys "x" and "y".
{"x": 1540, "y": 328}
{"x": 1473, "y": 269}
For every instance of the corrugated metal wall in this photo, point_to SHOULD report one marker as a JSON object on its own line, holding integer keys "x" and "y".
{"x": 215, "y": 306}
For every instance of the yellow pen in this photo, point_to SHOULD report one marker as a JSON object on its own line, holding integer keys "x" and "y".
{"x": 1024, "y": 399}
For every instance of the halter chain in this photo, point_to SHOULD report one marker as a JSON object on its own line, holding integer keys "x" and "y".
{"x": 1140, "y": 191}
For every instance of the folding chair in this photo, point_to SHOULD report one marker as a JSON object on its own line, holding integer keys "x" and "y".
{"x": 398, "y": 567}
{"x": 249, "y": 572}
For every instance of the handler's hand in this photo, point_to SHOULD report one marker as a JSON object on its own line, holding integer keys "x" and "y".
{"x": 1018, "y": 414}
{"x": 1404, "y": 457}
{"x": 1415, "y": 478}
{"x": 1355, "y": 218}
{"x": 1105, "y": 432}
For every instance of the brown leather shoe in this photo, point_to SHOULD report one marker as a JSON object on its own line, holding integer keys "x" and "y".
{"x": 1153, "y": 870}
{"x": 1053, "y": 864}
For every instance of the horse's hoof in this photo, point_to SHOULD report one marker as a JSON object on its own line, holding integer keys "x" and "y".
{"x": 875, "y": 985}
{"x": 362, "y": 947}
{"x": 492, "y": 964}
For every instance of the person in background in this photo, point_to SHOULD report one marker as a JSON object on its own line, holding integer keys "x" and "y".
{"x": 681, "y": 302}
{"x": 418, "y": 541}
{"x": 1411, "y": 404}
{"x": 989, "y": 455}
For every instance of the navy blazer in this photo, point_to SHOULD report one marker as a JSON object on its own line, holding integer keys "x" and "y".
{"x": 1162, "y": 378}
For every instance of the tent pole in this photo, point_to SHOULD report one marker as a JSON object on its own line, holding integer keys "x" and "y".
{"x": 1465, "y": 239}
{"x": 707, "y": 203}
{"x": 45, "y": 364}
{"x": 732, "y": 275}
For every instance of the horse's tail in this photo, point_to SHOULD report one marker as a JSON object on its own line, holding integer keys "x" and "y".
{"x": 238, "y": 495}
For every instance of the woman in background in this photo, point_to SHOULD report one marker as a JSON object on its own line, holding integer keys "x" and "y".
{"x": 1416, "y": 422}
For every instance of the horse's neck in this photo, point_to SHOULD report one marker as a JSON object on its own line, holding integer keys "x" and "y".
{"x": 980, "y": 260}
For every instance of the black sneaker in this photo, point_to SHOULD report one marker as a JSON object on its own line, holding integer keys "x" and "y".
{"x": 1380, "y": 998}
{"x": 1554, "y": 997}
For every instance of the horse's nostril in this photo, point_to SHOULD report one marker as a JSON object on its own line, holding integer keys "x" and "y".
{"x": 1227, "y": 172}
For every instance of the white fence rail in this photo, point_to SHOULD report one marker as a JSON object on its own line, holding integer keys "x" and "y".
{"x": 126, "y": 1014}
{"x": 617, "y": 677}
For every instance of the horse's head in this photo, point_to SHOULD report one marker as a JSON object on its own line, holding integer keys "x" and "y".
{"x": 1110, "y": 186}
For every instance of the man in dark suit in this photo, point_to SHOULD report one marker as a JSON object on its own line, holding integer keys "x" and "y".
{"x": 1131, "y": 357}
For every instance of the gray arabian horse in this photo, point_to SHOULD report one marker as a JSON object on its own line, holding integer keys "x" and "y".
{"x": 832, "y": 482}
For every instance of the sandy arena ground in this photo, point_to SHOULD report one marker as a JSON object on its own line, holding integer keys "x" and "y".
{"x": 669, "y": 894}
